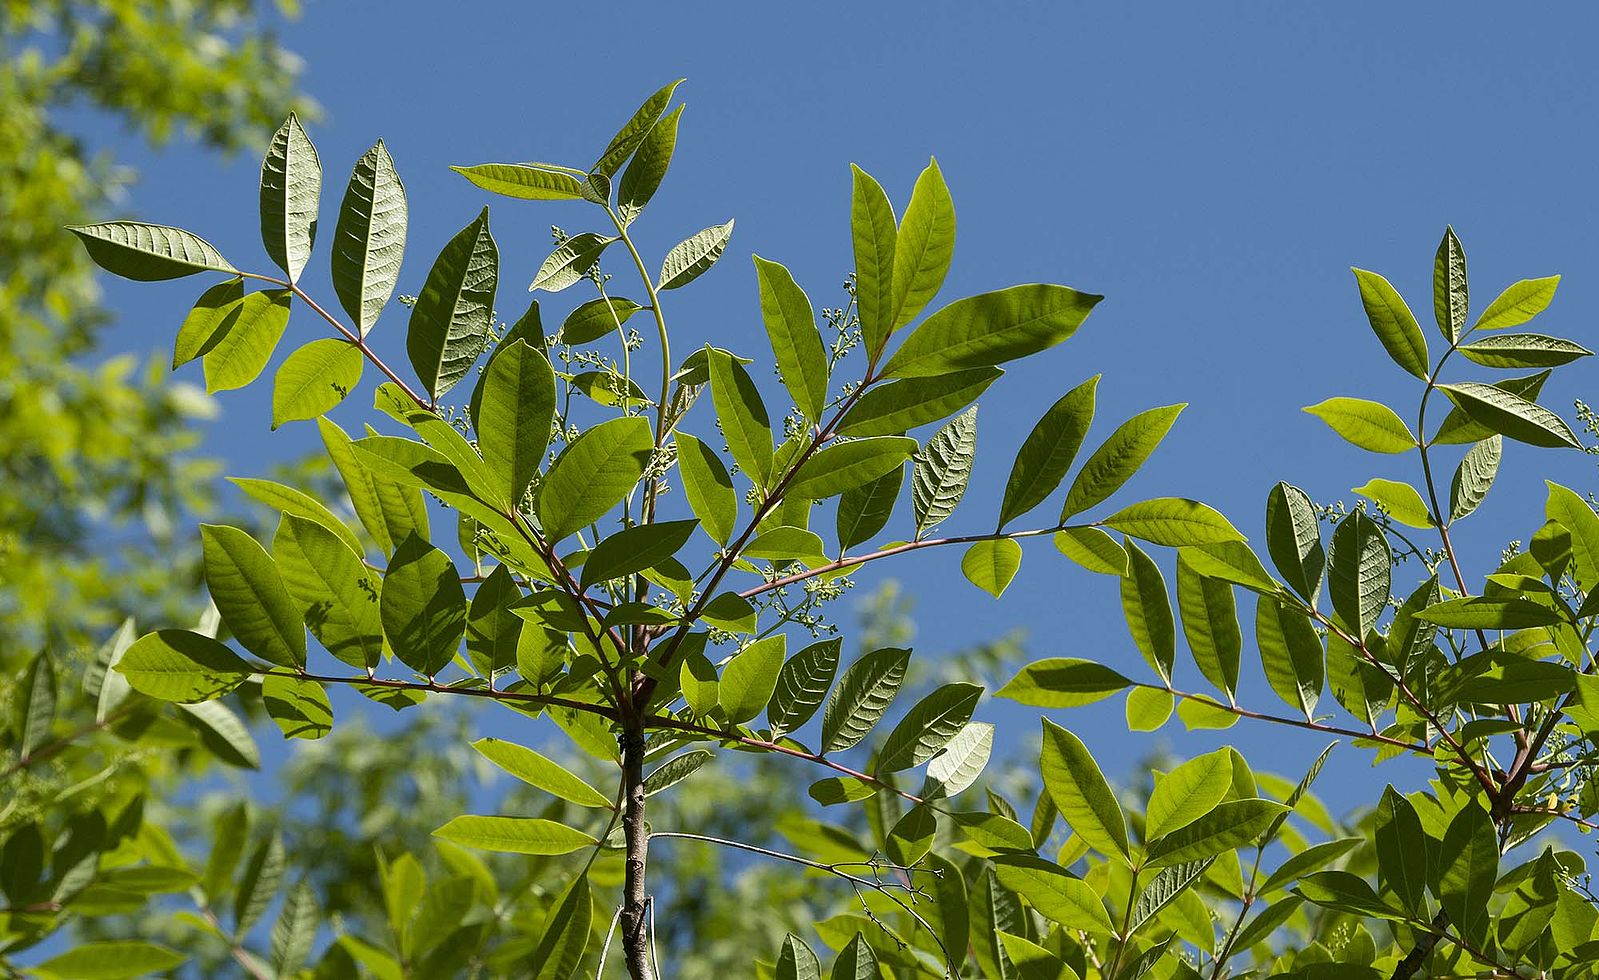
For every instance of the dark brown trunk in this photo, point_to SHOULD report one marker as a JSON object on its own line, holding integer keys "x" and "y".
{"x": 635, "y": 899}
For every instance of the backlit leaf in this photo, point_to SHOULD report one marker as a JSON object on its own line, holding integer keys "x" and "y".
{"x": 1368, "y": 424}
{"x": 791, "y": 327}
{"x": 1520, "y": 302}
{"x": 1048, "y": 451}
{"x": 423, "y": 606}
{"x": 451, "y": 318}
{"x": 928, "y": 727}
{"x": 1450, "y": 295}
{"x": 1118, "y": 458}
{"x": 989, "y": 329}
{"x": 1393, "y": 322}
{"x": 1080, "y": 791}
{"x": 874, "y": 233}
{"x": 523, "y": 181}
{"x": 802, "y": 684}
{"x": 593, "y": 475}
{"x": 745, "y": 424}
{"x": 924, "y": 247}
{"x": 750, "y": 678}
{"x": 250, "y": 595}
{"x": 314, "y": 379}
{"x": 177, "y": 665}
{"x": 1063, "y": 682}
{"x": 1359, "y": 572}
{"x": 241, "y": 354}
{"x": 690, "y": 258}
{"x": 537, "y": 771}
{"x": 514, "y": 835}
{"x": 369, "y": 240}
{"x": 863, "y": 693}
{"x": 992, "y": 564}
{"x": 943, "y": 467}
{"x": 291, "y": 188}
{"x": 1511, "y": 415}
{"x": 148, "y": 253}
{"x": 899, "y": 406}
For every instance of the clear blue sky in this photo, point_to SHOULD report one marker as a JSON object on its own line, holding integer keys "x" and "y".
{"x": 1213, "y": 169}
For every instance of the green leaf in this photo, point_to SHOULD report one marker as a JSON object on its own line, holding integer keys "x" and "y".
{"x": 635, "y": 132}
{"x": 177, "y": 665}
{"x": 730, "y": 611}
{"x": 708, "y": 487}
{"x": 898, "y": 406}
{"x": 924, "y": 247}
{"x": 943, "y": 467}
{"x": 750, "y": 678}
{"x": 1511, "y": 415}
{"x": 963, "y": 759}
{"x": 241, "y": 354}
{"x": 1393, "y": 322}
{"x": 1093, "y": 549}
{"x": 1225, "y": 827}
{"x": 1029, "y": 961}
{"x": 1474, "y": 477}
{"x": 1574, "y": 513}
{"x": 1118, "y": 458}
{"x": 856, "y": 962}
{"x": 148, "y": 253}
{"x": 873, "y": 232}
{"x": 863, "y": 694}
{"x": 802, "y": 685}
{"x": 1167, "y": 886}
{"x": 992, "y": 564}
{"x": 537, "y": 771}
{"x": 369, "y": 240}
{"x": 113, "y": 959}
{"x": 1450, "y": 296}
{"x": 513, "y": 421}
{"x": 451, "y": 318}
{"x": 745, "y": 424}
{"x": 1359, "y": 572}
{"x": 1402, "y": 851}
{"x": 523, "y": 181}
{"x": 795, "y": 961}
{"x": 38, "y": 697}
{"x": 644, "y": 174}
{"x": 1523, "y": 350}
{"x": 1520, "y": 302}
{"x": 791, "y": 327}
{"x": 1148, "y": 708}
{"x": 1400, "y": 501}
{"x": 593, "y": 475}
{"x": 1458, "y": 428}
{"x": 634, "y": 549}
{"x": 250, "y": 595}
{"x": 1469, "y": 859}
{"x": 295, "y": 931}
{"x": 1210, "y": 624}
{"x": 315, "y": 378}
{"x": 1293, "y": 538}
{"x": 1048, "y": 451}
{"x": 1063, "y": 682}
{"x": 1173, "y": 521}
{"x": 1370, "y": 425}
{"x": 571, "y": 261}
{"x": 423, "y": 606}
{"x": 258, "y": 885}
{"x": 1345, "y": 892}
{"x": 1314, "y": 858}
{"x": 928, "y": 727}
{"x": 1291, "y": 653}
{"x": 291, "y": 501}
{"x": 209, "y": 321}
{"x": 567, "y": 929}
{"x": 1057, "y": 894}
{"x": 291, "y": 188}
{"x": 514, "y": 835}
{"x": 299, "y": 707}
{"x": 493, "y": 629}
{"x": 690, "y": 258}
{"x": 863, "y": 511}
{"x": 338, "y": 594}
{"x": 596, "y": 318}
{"x": 1146, "y": 605}
{"x": 387, "y": 510}
{"x": 1482, "y": 612}
{"x": 784, "y": 543}
{"x": 675, "y": 770}
{"x": 1188, "y": 792}
{"x": 1080, "y": 791}
{"x": 989, "y": 329}
{"x": 847, "y": 465}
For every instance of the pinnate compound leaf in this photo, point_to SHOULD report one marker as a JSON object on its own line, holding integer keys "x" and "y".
{"x": 291, "y": 189}
{"x": 942, "y": 470}
{"x": 1080, "y": 791}
{"x": 745, "y": 424}
{"x": 1393, "y": 322}
{"x": 690, "y": 258}
{"x": 177, "y": 665}
{"x": 928, "y": 727}
{"x": 899, "y": 406}
{"x": 241, "y": 354}
{"x": 863, "y": 694}
{"x": 523, "y": 181}
{"x": 791, "y": 327}
{"x": 450, "y": 321}
{"x": 1370, "y": 425}
{"x": 989, "y": 329}
{"x": 535, "y": 770}
{"x": 847, "y": 465}
{"x": 250, "y": 595}
{"x": 874, "y": 233}
{"x": 1511, "y": 415}
{"x": 1173, "y": 521}
{"x": 593, "y": 475}
{"x": 802, "y": 685}
{"x": 1359, "y": 572}
{"x": 1225, "y": 827}
{"x": 1450, "y": 294}
{"x": 1063, "y": 682}
{"x": 1048, "y": 451}
{"x": 750, "y": 678}
{"x": 1118, "y": 458}
{"x": 924, "y": 247}
{"x": 514, "y": 835}
{"x": 369, "y": 239}
{"x": 314, "y": 379}
{"x": 149, "y": 253}
{"x": 423, "y": 606}
{"x": 1520, "y": 302}
{"x": 991, "y": 565}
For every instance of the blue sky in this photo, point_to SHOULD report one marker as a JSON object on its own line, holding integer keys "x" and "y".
{"x": 1213, "y": 169}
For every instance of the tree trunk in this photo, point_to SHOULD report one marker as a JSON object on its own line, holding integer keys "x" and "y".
{"x": 635, "y": 907}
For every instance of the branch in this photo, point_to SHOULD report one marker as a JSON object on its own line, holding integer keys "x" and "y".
{"x": 1313, "y": 726}
{"x": 54, "y": 747}
{"x": 433, "y": 687}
